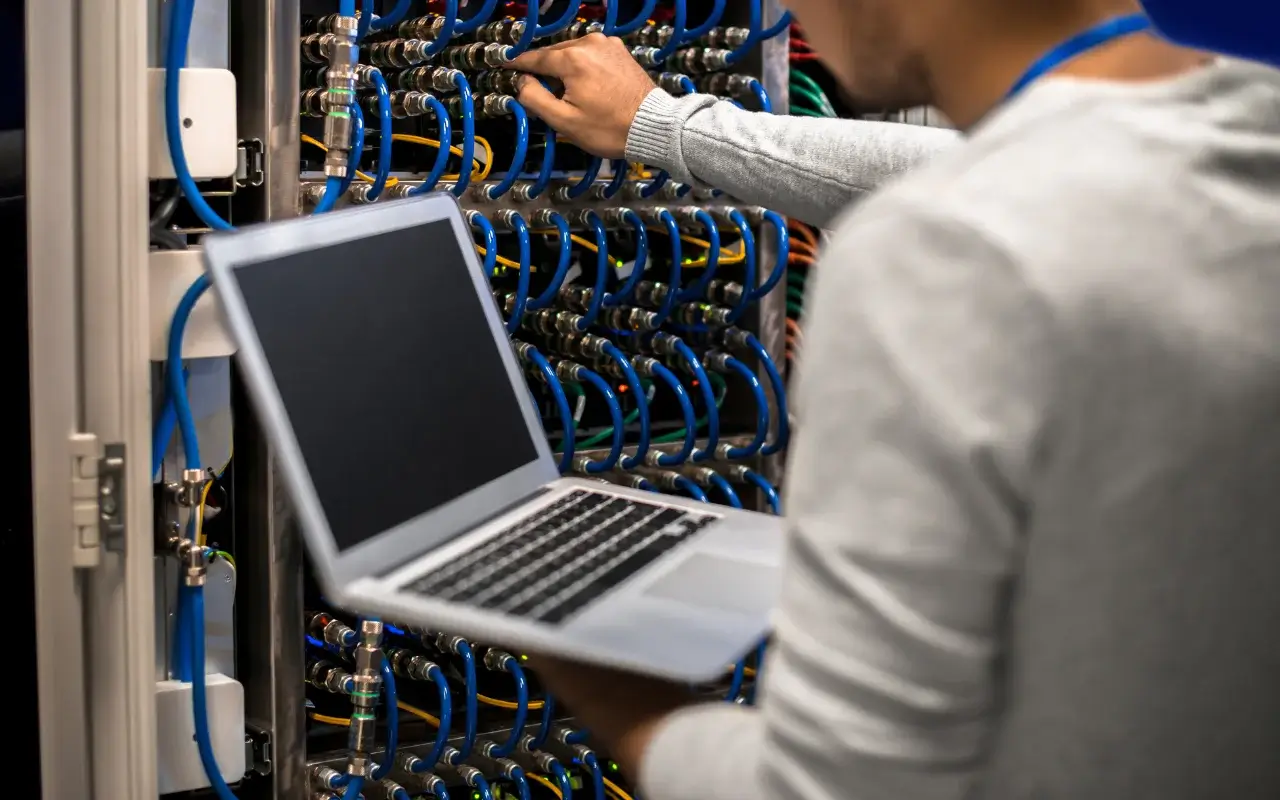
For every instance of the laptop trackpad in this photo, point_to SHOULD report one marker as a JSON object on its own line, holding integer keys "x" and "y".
{"x": 718, "y": 582}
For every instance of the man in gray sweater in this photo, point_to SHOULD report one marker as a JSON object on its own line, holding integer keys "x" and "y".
{"x": 1033, "y": 496}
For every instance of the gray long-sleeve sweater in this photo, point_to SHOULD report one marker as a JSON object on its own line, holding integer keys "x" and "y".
{"x": 1033, "y": 496}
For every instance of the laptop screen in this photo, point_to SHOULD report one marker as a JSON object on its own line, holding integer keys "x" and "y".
{"x": 398, "y": 395}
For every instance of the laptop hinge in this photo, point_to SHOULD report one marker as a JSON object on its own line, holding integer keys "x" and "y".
{"x": 524, "y": 501}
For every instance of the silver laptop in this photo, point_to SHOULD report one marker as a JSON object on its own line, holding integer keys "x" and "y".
{"x": 422, "y": 479}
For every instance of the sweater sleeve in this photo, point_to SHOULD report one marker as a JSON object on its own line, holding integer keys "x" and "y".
{"x": 924, "y": 387}
{"x": 802, "y": 167}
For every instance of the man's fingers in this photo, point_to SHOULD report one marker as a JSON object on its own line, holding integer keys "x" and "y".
{"x": 549, "y": 60}
{"x": 543, "y": 104}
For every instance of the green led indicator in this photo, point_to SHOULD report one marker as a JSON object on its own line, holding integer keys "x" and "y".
{"x": 613, "y": 766}
{"x": 523, "y": 657}
{"x": 475, "y": 796}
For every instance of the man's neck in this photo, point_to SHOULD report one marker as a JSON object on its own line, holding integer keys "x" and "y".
{"x": 970, "y": 81}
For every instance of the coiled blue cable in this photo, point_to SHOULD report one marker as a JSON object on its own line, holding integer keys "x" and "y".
{"x": 610, "y": 19}
{"x": 481, "y": 223}
{"x": 762, "y": 97}
{"x": 748, "y": 264}
{"x": 779, "y": 388}
{"x": 561, "y": 776}
{"x": 530, "y": 30}
{"x": 579, "y": 736}
{"x": 163, "y": 434}
{"x": 522, "y": 710}
{"x": 708, "y": 396}
{"x": 642, "y": 257}
{"x": 690, "y": 418}
{"x": 651, "y": 188}
{"x": 445, "y": 133}
{"x": 357, "y": 152}
{"x": 472, "y": 702}
{"x": 637, "y": 22}
{"x": 548, "y": 165}
{"x": 446, "y": 716}
{"x": 735, "y": 683}
{"x": 544, "y": 724}
{"x": 520, "y": 151}
{"x": 776, "y": 28}
{"x": 673, "y": 282}
{"x": 602, "y": 271}
{"x": 566, "y": 19}
{"x": 687, "y": 85}
{"x": 726, "y": 490}
{"x": 478, "y": 19}
{"x": 393, "y": 720}
{"x": 393, "y": 17}
{"x": 481, "y": 786}
{"x": 446, "y": 31}
{"x": 698, "y": 289}
{"x": 678, "y": 20}
{"x": 384, "y": 136}
{"x": 441, "y": 792}
{"x": 615, "y": 414}
{"x": 522, "y": 282}
{"x": 610, "y": 351}
{"x": 770, "y": 491}
{"x": 597, "y": 775}
{"x": 762, "y": 410}
{"x": 588, "y": 178}
{"x": 548, "y": 373}
{"x": 174, "y": 378}
{"x": 753, "y": 26}
{"x": 564, "y": 236}
{"x": 522, "y": 784}
{"x": 194, "y": 606}
{"x": 690, "y": 488}
{"x": 783, "y": 246}
{"x": 713, "y": 19}
{"x": 620, "y": 169}
{"x": 468, "y": 127}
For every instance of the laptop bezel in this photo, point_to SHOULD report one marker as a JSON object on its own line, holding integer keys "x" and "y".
{"x": 226, "y": 253}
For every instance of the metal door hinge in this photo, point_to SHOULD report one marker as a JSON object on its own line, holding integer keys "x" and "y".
{"x": 97, "y": 498}
{"x": 257, "y": 749}
{"x": 249, "y": 163}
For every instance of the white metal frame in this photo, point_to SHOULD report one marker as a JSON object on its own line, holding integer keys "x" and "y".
{"x": 87, "y": 190}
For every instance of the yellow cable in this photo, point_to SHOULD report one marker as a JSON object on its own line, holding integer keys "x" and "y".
{"x": 505, "y": 262}
{"x": 485, "y": 166}
{"x": 613, "y": 787}
{"x": 199, "y": 512}
{"x": 311, "y": 140}
{"x": 539, "y": 779}
{"x": 419, "y": 713}
{"x": 324, "y": 719}
{"x": 536, "y": 705}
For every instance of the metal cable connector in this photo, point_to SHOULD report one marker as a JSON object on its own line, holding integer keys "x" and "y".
{"x": 322, "y": 778}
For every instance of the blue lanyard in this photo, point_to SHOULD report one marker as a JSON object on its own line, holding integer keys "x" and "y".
{"x": 1095, "y": 37}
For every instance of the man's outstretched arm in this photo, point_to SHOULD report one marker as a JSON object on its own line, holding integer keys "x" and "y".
{"x": 802, "y": 167}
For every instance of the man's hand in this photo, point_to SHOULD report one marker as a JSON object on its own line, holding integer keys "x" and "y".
{"x": 603, "y": 90}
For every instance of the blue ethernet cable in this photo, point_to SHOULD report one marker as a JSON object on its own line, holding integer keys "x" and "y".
{"x": 481, "y": 223}
{"x": 783, "y": 246}
{"x": 691, "y": 360}
{"x": 544, "y": 724}
{"x": 616, "y": 420}
{"x": 611, "y": 351}
{"x": 530, "y": 30}
{"x": 651, "y": 188}
{"x": 393, "y": 720}
{"x": 698, "y": 289}
{"x": 761, "y": 649}
{"x": 641, "y": 234}
{"x": 446, "y": 716}
{"x": 725, "y": 489}
{"x": 194, "y": 608}
{"x": 468, "y": 103}
{"x": 479, "y": 18}
{"x": 637, "y": 22}
{"x": 566, "y": 19}
{"x": 369, "y": 22}
{"x": 690, "y": 418}
{"x": 673, "y": 283}
{"x": 522, "y": 784}
{"x": 163, "y": 434}
{"x": 548, "y": 165}
{"x": 610, "y": 19}
{"x": 384, "y": 135}
{"x": 511, "y": 665}
{"x": 687, "y": 85}
{"x": 748, "y": 450}
{"x": 602, "y": 270}
{"x": 443, "y": 38}
{"x": 783, "y": 23}
{"x": 520, "y": 151}
{"x": 690, "y": 488}
{"x": 562, "y": 778}
{"x": 713, "y": 19}
{"x": 770, "y": 491}
{"x": 548, "y": 373}
{"x": 477, "y": 782}
{"x": 579, "y": 736}
{"x": 445, "y": 127}
{"x": 748, "y": 264}
{"x": 762, "y": 97}
{"x": 620, "y": 169}
{"x": 779, "y": 388}
{"x": 440, "y": 790}
{"x": 753, "y": 26}
{"x": 583, "y": 184}
{"x": 174, "y": 377}
{"x": 522, "y": 282}
{"x": 357, "y": 150}
{"x": 472, "y": 702}
{"x": 597, "y": 775}
{"x": 549, "y": 294}
{"x": 735, "y": 683}
{"x": 678, "y": 20}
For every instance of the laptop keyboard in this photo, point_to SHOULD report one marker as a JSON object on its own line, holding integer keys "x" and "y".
{"x": 565, "y": 556}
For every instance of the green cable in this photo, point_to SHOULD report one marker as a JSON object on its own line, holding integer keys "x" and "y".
{"x": 796, "y": 276}
{"x": 817, "y": 100}
{"x": 812, "y": 86}
{"x": 721, "y": 389}
{"x": 607, "y": 433}
{"x": 796, "y": 294}
{"x": 794, "y": 310}
{"x": 805, "y": 112}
